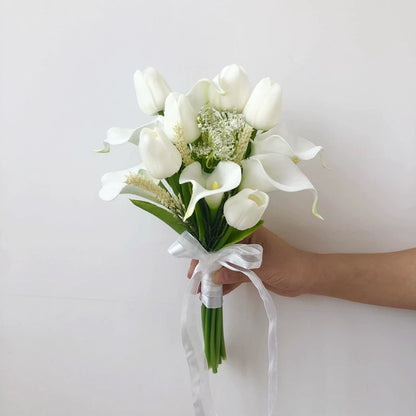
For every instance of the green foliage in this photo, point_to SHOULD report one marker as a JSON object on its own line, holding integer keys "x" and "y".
{"x": 237, "y": 235}
{"x": 166, "y": 216}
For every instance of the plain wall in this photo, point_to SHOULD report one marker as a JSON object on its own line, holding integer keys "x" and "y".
{"x": 89, "y": 298}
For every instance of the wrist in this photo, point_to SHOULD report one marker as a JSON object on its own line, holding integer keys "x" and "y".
{"x": 310, "y": 272}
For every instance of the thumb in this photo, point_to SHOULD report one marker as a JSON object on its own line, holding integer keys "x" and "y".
{"x": 225, "y": 276}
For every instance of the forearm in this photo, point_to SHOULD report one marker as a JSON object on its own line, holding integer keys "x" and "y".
{"x": 387, "y": 279}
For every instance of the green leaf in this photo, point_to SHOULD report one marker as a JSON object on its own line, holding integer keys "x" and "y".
{"x": 238, "y": 235}
{"x": 163, "y": 214}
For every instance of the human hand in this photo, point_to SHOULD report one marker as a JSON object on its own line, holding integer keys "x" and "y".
{"x": 284, "y": 269}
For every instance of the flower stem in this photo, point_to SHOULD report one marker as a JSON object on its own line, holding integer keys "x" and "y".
{"x": 207, "y": 327}
{"x": 200, "y": 223}
{"x": 212, "y": 341}
{"x": 219, "y": 335}
{"x": 213, "y": 330}
{"x": 223, "y": 239}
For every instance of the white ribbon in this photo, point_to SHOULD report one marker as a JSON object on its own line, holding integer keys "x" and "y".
{"x": 237, "y": 257}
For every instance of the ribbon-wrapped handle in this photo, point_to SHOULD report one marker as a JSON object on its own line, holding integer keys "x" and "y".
{"x": 237, "y": 257}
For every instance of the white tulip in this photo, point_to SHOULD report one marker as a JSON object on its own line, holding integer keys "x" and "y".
{"x": 179, "y": 112}
{"x": 230, "y": 89}
{"x": 160, "y": 157}
{"x": 245, "y": 209}
{"x": 263, "y": 107}
{"x": 151, "y": 90}
{"x": 113, "y": 184}
{"x": 226, "y": 176}
{"x": 198, "y": 95}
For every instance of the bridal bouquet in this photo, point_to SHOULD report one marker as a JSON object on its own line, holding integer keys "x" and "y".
{"x": 208, "y": 160}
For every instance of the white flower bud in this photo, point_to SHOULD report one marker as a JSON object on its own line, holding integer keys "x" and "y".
{"x": 179, "y": 112}
{"x": 160, "y": 157}
{"x": 245, "y": 209}
{"x": 151, "y": 90}
{"x": 262, "y": 110}
{"x": 230, "y": 89}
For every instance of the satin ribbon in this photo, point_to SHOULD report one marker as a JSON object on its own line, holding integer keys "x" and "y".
{"x": 237, "y": 257}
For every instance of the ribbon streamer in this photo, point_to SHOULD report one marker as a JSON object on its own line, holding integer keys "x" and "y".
{"x": 237, "y": 257}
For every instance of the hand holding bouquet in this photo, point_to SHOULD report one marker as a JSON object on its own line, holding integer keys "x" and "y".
{"x": 208, "y": 160}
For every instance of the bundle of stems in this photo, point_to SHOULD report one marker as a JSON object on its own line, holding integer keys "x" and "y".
{"x": 211, "y": 229}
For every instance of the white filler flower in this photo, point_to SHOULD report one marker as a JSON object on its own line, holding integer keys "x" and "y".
{"x": 226, "y": 176}
{"x": 245, "y": 209}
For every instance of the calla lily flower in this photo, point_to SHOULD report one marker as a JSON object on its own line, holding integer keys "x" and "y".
{"x": 267, "y": 172}
{"x": 120, "y": 135}
{"x": 245, "y": 209}
{"x": 179, "y": 113}
{"x": 230, "y": 89}
{"x": 226, "y": 176}
{"x": 262, "y": 110}
{"x": 151, "y": 90}
{"x": 113, "y": 184}
{"x": 297, "y": 148}
{"x": 160, "y": 156}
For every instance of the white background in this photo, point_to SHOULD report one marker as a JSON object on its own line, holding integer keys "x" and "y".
{"x": 89, "y": 299}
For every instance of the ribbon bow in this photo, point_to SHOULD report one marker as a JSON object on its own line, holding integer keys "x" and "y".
{"x": 237, "y": 257}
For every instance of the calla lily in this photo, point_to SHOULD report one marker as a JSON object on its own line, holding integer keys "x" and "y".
{"x": 297, "y": 148}
{"x": 120, "y": 135}
{"x": 244, "y": 210}
{"x": 230, "y": 89}
{"x": 267, "y": 172}
{"x": 226, "y": 176}
{"x": 113, "y": 184}
{"x": 179, "y": 113}
{"x": 160, "y": 157}
{"x": 262, "y": 110}
{"x": 151, "y": 90}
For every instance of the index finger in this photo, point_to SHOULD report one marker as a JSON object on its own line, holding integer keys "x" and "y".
{"x": 192, "y": 268}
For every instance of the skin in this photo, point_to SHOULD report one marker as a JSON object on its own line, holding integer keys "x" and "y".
{"x": 387, "y": 279}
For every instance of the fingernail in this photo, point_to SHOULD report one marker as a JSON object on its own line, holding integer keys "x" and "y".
{"x": 217, "y": 277}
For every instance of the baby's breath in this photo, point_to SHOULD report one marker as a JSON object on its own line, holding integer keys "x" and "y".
{"x": 220, "y": 135}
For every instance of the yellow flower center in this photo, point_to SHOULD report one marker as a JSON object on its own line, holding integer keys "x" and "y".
{"x": 295, "y": 159}
{"x": 215, "y": 185}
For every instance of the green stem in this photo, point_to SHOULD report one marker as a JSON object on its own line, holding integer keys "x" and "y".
{"x": 219, "y": 335}
{"x": 200, "y": 223}
{"x": 213, "y": 352}
{"x": 207, "y": 325}
{"x": 223, "y": 353}
{"x": 223, "y": 239}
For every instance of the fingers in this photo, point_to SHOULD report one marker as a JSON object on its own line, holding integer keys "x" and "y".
{"x": 228, "y": 278}
{"x": 192, "y": 268}
{"x": 225, "y": 276}
{"x": 229, "y": 288}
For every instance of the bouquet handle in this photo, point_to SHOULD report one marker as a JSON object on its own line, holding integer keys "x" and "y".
{"x": 238, "y": 257}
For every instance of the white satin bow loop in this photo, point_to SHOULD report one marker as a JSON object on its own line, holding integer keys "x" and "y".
{"x": 238, "y": 257}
